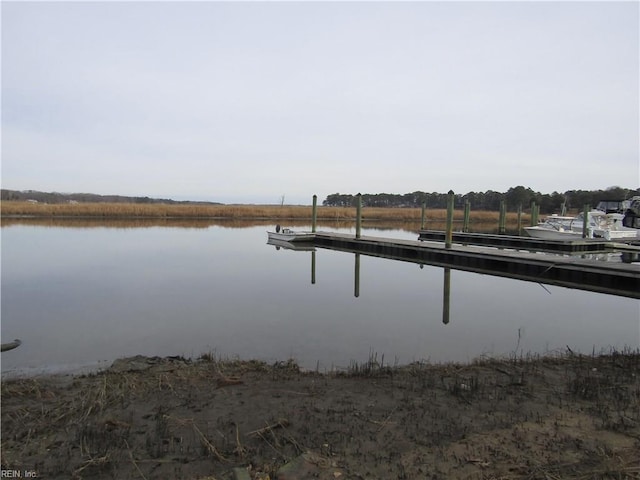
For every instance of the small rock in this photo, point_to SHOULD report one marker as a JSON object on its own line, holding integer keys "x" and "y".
{"x": 307, "y": 465}
{"x": 133, "y": 364}
{"x": 240, "y": 473}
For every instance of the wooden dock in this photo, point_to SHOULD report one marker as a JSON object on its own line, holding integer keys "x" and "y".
{"x": 571, "y": 271}
{"x": 519, "y": 242}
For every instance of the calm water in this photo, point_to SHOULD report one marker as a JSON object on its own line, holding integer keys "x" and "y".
{"x": 79, "y": 296}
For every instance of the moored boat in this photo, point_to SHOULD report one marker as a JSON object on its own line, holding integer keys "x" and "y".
{"x": 608, "y": 226}
{"x": 553, "y": 228}
{"x": 288, "y": 235}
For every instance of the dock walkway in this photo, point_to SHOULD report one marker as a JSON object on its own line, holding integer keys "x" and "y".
{"x": 523, "y": 243}
{"x": 572, "y": 271}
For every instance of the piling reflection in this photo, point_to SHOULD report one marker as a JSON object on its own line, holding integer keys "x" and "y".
{"x": 446, "y": 297}
{"x": 294, "y": 246}
{"x": 356, "y": 280}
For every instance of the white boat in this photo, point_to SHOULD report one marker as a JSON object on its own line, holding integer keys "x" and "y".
{"x": 607, "y": 226}
{"x": 288, "y": 235}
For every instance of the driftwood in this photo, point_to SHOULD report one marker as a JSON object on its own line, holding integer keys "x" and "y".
{"x": 11, "y": 345}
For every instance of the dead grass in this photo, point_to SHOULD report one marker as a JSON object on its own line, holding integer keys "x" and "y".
{"x": 236, "y": 212}
{"x": 520, "y": 417}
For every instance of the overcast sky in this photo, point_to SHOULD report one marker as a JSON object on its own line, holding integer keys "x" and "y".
{"x": 247, "y": 102}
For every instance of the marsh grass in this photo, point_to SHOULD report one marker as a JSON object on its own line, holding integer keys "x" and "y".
{"x": 256, "y": 212}
{"x": 522, "y": 416}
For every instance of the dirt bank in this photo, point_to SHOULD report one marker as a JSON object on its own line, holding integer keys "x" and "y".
{"x": 152, "y": 418}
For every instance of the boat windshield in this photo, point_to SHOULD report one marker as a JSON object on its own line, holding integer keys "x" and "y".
{"x": 610, "y": 206}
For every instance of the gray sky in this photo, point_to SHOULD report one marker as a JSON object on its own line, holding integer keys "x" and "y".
{"x": 247, "y": 102}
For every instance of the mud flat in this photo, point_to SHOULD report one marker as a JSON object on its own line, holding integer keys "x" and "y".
{"x": 566, "y": 416}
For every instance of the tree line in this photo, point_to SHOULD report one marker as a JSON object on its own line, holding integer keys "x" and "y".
{"x": 56, "y": 197}
{"x": 489, "y": 200}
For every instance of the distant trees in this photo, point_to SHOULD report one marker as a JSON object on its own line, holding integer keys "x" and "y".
{"x": 339, "y": 200}
{"x": 55, "y": 197}
{"x": 489, "y": 200}
{"x": 578, "y": 198}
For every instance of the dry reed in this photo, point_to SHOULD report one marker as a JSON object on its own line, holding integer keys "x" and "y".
{"x": 273, "y": 212}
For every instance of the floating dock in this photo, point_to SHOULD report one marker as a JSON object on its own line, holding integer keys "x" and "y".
{"x": 519, "y": 242}
{"x": 504, "y": 257}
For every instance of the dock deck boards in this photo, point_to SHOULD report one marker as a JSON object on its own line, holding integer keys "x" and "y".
{"x": 519, "y": 241}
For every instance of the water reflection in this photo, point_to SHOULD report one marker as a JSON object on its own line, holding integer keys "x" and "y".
{"x": 84, "y": 222}
{"x": 313, "y": 267}
{"x": 356, "y": 286}
{"x": 374, "y": 227}
{"x": 84, "y": 295}
{"x": 301, "y": 246}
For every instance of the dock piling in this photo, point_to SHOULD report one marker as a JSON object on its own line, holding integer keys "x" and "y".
{"x": 519, "y": 218}
{"x": 449, "y": 231}
{"x": 502, "y": 222}
{"x": 585, "y": 222}
{"x": 534, "y": 219}
{"x": 422, "y": 216}
{"x": 467, "y": 214}
{"x": 358, "y": 214}
{"x": 314, "y": 213}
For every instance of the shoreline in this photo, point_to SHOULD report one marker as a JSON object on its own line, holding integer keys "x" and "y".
{"x": 97, "y": 367}
{"x": 562, "y": 416}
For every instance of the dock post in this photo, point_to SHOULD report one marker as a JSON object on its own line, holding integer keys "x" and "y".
{"x": 563, "y": 209}
{"x": 503, "y": 217}
{"x": 314, "y": 213}
{"x": 534, "y": 220}
{"x": 585, "y": 222}
{"x": 358, "y": 214}
{"x": 519, "y": 218}
{"x": 449, "y": 232}
{"x": 467, "y": 212}
{"x": 422, "y": 216}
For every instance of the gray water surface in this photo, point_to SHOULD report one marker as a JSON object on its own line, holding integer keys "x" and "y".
{"x": 85, "y": 296}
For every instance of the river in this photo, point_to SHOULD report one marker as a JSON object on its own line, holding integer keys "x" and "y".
{"x": 81, "y": 296}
